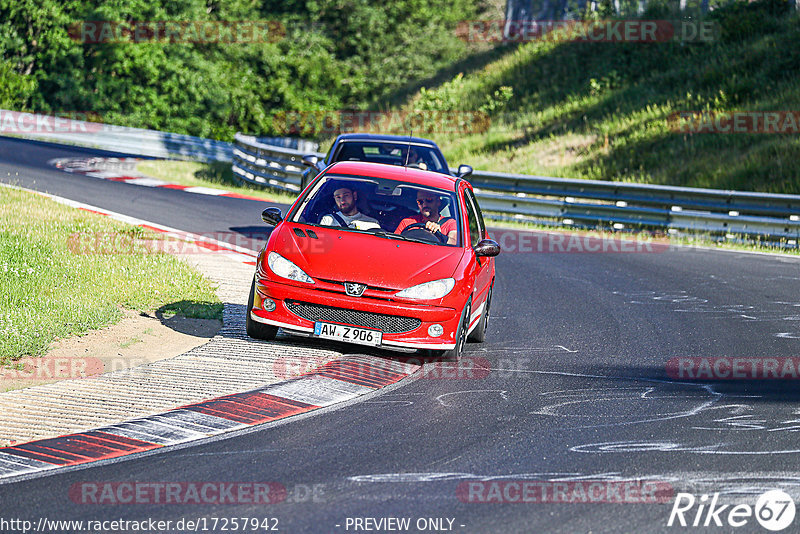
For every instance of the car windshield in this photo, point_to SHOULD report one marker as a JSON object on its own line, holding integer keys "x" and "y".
{"x": 386, "y": 208}
{"x": 390, "y": 153}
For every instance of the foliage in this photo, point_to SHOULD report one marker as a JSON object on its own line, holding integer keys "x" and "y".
{"x": 332, "y": 54}
{"x": 603, "y": 110}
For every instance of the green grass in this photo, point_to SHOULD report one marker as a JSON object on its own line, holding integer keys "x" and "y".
{"x": 50, "y": 288}
{"x": 216, "y": 175}
{"x": 600, "y": 110}
{"x": 132, "y": 341}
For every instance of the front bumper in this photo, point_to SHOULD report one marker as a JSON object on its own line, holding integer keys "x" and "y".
{"x": 418, "y": 338}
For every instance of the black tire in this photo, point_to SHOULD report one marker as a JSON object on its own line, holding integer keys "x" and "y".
{"x": 255, "y": 329}
{"x": 461, "y": 336}
{"x": 479, "y": 334}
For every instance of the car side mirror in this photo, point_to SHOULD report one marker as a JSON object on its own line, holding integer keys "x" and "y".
{"x": 272, "y": 216}
{"x": 487, "y": 248}
{"x": 310, "y": 160}
{"x": 464, "y": 171}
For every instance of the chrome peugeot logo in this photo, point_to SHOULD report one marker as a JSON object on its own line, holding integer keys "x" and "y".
{"x": 353, "y": 289}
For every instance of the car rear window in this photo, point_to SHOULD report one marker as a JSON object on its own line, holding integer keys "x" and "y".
{"x": 390, "y": 153}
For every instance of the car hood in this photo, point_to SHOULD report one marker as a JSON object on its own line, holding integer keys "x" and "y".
{"x": 368, "y": 259}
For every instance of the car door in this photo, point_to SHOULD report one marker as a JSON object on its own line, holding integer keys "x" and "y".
{"x": 484, "y": 266}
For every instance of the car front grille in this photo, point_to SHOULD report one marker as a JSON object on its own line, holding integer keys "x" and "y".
{"x": 389, "y": 324}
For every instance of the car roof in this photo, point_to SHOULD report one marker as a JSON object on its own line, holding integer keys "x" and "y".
{"x": 383, "y": 137}
{"x": 393, "y": 172}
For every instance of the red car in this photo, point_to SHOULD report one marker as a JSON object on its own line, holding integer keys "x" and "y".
{"x": 379, "y": 255}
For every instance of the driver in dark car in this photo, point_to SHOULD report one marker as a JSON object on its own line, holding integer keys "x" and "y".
{"x": 429, "y": 206}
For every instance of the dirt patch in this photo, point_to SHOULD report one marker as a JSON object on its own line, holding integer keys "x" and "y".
{"x": 135, "y": 340}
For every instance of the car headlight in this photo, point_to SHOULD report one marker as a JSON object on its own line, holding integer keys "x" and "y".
{"x": 429, "y": 290}
{"x": 286, "y": 269}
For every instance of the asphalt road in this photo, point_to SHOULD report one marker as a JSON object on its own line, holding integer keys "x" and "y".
{"x": 571, "y": 385}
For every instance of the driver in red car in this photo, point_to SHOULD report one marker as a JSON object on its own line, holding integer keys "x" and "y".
{"x": 429, "y": 206}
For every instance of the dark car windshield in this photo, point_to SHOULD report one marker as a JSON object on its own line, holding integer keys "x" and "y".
{"x": 391, "y": 153}
{"x": 379, "y": 206}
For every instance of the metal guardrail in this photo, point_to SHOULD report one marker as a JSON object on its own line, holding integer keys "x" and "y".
{"x": 111, "y": 137}
{"x": 278, "y": 167}
{"x": 626, "y": 205}
{"x": 588, "y": 203}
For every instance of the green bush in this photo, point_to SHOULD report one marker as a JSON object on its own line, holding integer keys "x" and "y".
{"x": 336, "y": 54}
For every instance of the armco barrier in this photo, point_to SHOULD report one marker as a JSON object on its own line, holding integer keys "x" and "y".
{"x": 620, "y": 204}
{"x": 269, "y": 165}
{"x": 588, "y": 203}
{"x": 111, "y": 137}
{"x": 136, "y": 141}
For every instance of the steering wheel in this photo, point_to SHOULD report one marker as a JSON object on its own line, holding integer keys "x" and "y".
{"x": 418, "y": 231}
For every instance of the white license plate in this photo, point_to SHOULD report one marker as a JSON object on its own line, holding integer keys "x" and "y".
{"x": 350, "y": 334}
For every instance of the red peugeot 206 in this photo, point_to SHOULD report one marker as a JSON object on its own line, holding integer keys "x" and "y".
{"x": 379, "y": 255}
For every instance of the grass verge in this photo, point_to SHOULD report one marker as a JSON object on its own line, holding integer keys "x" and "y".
{"x": 216, "y": 175}
{"x": 51, "y": 289}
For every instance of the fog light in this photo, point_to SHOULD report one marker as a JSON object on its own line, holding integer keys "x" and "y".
{"x": 435, "y": 330}
{"x": 268, "y": 305}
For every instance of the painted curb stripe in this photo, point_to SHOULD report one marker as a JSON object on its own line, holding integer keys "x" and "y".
{"x": 317, "y": 390}
{"x": 358, "y": 373}
{"x": 147, "y": 182}
{"x": 252, "y": 408}
{"x": 75, "y": 449}
{"x": 88, "y": 167}
{"x": 334, "y": 382}
{"x": 159, "y": 432}
{"x": 13, "y": 465}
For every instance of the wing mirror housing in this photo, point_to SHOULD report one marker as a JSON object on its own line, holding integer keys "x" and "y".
{"x": 272, "y": 216}
{"x": 310, "y": 160}
{"x": 487, "y": 248}
{"x": 464, "y": 171}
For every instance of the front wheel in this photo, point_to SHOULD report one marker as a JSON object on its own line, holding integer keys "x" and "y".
{"x": 479, "y": 334}
{"x": 255, "y": 329}
{"x": 461, "y": 335}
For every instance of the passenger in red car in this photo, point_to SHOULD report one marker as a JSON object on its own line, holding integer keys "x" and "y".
{"x": 429, "y": 207}
{"x": 348, "y": 214}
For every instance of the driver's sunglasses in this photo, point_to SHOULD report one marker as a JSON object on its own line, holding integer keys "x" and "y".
{"x": 422, "y": 201}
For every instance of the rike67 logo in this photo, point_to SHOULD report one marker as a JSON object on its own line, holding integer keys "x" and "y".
{"x": 774, "y": 510}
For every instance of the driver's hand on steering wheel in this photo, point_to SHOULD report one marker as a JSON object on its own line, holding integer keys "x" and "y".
{"x": 433, "y": 227}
